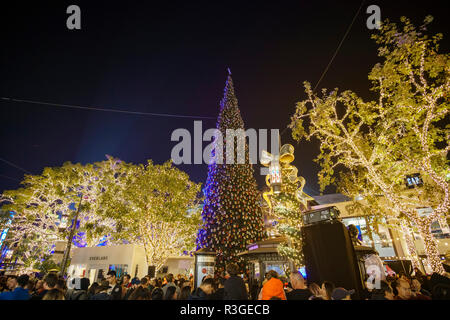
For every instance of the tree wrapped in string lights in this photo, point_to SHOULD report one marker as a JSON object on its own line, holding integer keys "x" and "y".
{"x": 155, "y": 206}
{"x": 380, "y": 143}
{"x": 45, "y": 207}
{"x": 232, "y": 216}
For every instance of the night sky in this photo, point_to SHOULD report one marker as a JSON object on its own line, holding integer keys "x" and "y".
{"x": 173, "y": 58}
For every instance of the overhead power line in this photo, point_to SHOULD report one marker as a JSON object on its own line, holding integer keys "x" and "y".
{"x": 339, "y": 46}
{"x": 335, "y": 52}
{"x": 15, "y": 165}
{"x": 106, "y": 109}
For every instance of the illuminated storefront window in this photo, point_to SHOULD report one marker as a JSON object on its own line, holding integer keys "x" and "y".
{"x": 279, "y": 267}
{"x": 120, "y": 269}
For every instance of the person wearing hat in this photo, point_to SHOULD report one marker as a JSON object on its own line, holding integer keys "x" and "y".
{"x": 342, "y": 294}
{"x": 102, "y": 291}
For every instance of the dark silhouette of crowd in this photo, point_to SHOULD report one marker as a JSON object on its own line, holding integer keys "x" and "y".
{"x": 232, "y": 286}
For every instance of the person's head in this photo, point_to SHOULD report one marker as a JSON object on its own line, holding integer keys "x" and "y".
{"x": 3, "y": 281}
{"x": 185, "y": 292}
{"x": 206, "y": 277}
{"x": 403, "y": 289}
{"x": 207, "y": 285}
{"x": 169, "y": 278}
{"x": 22, "y": 281}
{"x": 403, "y": 276}
{"x": 39, "y": 285}
{"x": 297, "y": 280}
{"x": 104, "y": 286}
{"x": 126, "y": 279}
{"x": 61, "y": 285}
{"x": 342, "y": 294}
{"x": 135, "y": 282}
{"x": 221, "y": 282}
{"x": 93, "y": 288}
{"x": 171, "y": 293}
{"x": 84, "y": 284}
{"x": 386, "y": 289}
{"x": 11, "y": 283}
{"x": 111, "y": 277}
{"x": 140, "y": 294}
{"x": 416, "y": 286}
{"x": 50, "y": 281}
{"x": 353, "y": 230}
{"x": 144, "y": 282}
{"x": 327, "y": 289}
{"x": 272, "y": 274}
{"x": 54, "y": 294}
{"x": 233, "y": 269}
{"x": 157, "y": 294}
{"x": 315, "y": 289}
{"x": 30, "y": 285}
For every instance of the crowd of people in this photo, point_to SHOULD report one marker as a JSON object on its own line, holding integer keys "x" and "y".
{"x": 230, "y": 287}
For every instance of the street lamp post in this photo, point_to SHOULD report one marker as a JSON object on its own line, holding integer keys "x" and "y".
{"x": 69, "y": 241}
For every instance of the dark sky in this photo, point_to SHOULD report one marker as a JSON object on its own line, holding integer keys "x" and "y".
{"x": 172, "y": 58}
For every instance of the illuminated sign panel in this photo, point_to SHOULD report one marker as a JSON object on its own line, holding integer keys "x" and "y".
{"x": 413, "y": 180}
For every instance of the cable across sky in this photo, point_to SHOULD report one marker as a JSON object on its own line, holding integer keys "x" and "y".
{"x": 106, "y": 109}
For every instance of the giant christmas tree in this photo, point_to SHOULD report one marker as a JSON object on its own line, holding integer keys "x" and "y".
{"x": 232, "y": 216}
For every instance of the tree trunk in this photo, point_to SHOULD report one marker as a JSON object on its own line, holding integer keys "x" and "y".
{"x": 431, "y": 248}
{"x": 409, "y": 239}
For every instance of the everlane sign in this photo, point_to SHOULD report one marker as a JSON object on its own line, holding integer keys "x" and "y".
{"x": 98, "y": 258}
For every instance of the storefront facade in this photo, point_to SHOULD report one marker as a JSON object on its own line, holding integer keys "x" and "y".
{"x": 95, "y": 262}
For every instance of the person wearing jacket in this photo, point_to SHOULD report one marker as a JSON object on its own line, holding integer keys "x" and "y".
{"x": 102, "y": 291}
{"x": 219, "y": 293}
{"x": 234, "y": 288}
{"x": 80, "y": 290}
{"x": 204, "y": 291}
{"x": 115, "y": 288}
{"x": 19, "y": 292}
{"x": 272, "y": 288}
